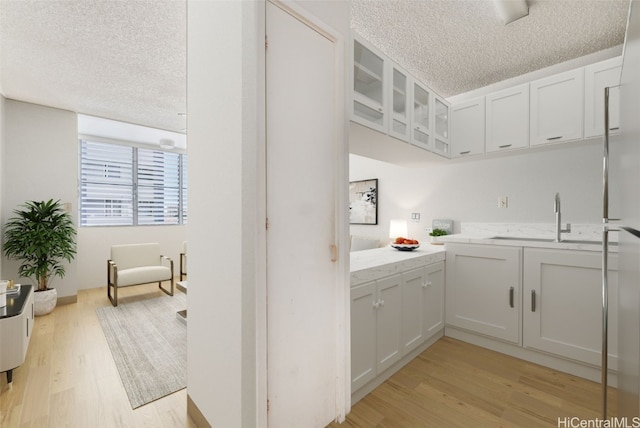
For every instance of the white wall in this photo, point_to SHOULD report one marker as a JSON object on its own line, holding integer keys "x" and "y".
{"x": 40, "y": 162}
{"x": 468, "y": 191}
{"x": 2, "y": 140}
{"x": 223, "y": 181}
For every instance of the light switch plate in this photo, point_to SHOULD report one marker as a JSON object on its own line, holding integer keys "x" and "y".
{"x": 503, "y": 202}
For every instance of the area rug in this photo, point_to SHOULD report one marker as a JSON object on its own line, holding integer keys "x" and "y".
{"x": 149, "y": 346}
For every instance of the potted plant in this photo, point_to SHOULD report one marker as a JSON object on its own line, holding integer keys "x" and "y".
{"x": 41, "y": 236}
{"x": 435, "y": 233}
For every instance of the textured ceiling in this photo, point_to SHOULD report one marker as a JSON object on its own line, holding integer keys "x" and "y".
{"x": 455, "y": 46}
{"x": 126, "y": 59}
{"x": 119, "y": 59}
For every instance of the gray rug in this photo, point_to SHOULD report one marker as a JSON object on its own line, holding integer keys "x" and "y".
{"x": 149, "y": 346}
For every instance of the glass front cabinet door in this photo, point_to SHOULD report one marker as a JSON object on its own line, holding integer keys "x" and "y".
{"x": 399, "y": 103}
{"x": 368, "y": 87}
{"x": 421, "y": 132}
{"x": 441, "y": 125}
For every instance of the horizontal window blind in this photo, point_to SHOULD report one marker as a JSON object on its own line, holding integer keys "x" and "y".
{"x": 122, "y": 185}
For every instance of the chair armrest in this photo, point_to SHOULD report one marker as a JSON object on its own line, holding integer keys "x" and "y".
{"x": 112, "y": 270}
{"x": 165, "y": 259}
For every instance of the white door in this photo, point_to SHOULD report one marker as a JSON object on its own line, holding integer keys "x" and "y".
{"x": 303, "y": 328}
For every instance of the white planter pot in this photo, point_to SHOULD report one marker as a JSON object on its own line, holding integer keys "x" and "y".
{"x": 45, "y": 301}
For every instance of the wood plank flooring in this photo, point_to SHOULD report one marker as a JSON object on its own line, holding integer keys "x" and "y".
{"x": 69, "y": 379}
{"x": 455, "y": 384}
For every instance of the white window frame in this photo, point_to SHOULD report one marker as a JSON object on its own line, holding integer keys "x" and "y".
{"x": 130, "y": 181}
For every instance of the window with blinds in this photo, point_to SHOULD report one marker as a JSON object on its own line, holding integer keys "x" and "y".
{"x": 124, "y": 186}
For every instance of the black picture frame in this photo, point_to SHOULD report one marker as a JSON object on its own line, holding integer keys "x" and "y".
{"x": 363, "y": 202}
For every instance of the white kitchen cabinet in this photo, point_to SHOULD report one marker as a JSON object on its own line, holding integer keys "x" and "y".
{"x": 400, "y": 97}
{"x": 441, "y": 125}
{"x": 422, "y": 305}
{"x": 369, "y": 103}
{"x": 557, "y": 108}
{"x": 562, "y": 311}
{"x": 421, "y": 116}
{"x": 375, "y": 328}
{"x": 597, "y": 77}
{"x": 468, "y": 128}
{"x": 507, "y": 119}
{"x": 483, "y": 290}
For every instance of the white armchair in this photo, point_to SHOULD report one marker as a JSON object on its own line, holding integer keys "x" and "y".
{"x": 135, "y": 264}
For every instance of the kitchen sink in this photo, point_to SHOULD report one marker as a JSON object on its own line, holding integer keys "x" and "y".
{"x": 565, "y": 241}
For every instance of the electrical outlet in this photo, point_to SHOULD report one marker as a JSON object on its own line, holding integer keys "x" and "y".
{"x": 415, "y": 217}
{"x": 503, "y": 202}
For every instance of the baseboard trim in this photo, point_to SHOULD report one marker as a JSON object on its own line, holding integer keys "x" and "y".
{"x": 67, "y": 300}
{"x": 196, "y": 415}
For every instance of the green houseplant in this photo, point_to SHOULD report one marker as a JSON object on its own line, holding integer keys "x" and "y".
{"x": 41, "y": 235}
{"x": 435, "y": 233}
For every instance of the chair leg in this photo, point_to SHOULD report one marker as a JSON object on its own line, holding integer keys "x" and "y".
{"x": 170, "y": 293}
{"x": 114, "y": 299}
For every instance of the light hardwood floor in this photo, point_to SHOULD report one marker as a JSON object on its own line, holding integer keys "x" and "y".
{"x": 455, "y": 384}
{"x": 69, "y": 379}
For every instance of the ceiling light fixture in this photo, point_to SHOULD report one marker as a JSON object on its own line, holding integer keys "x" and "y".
{"x": 167, "y": 143}
{"x": 511, "y": 10}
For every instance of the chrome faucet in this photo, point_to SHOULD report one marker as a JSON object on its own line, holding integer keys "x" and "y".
{"x": 559, "y": 229}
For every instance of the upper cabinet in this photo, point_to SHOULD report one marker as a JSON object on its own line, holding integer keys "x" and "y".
{"x": 388, "y": 99}
{"x": 441, "y": 125}
{"x": 467, "y": 128}
{"x": 368, "y": 87}
{"x": 556, "y": 108}
{"x": 507, "y": 119}
{"x": 400, "y": 98}
{"x": 421, "y": 134}
{"x": 597, "y": 77}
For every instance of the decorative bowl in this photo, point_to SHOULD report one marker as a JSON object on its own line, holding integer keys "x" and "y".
{"x": 405, "y": 247}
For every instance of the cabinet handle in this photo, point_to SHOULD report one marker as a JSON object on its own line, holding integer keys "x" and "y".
{"x": 554, "y": 138}
{"x": 504, "y": 146}
{"x": 27, "y": 326}
{"x": 426, "y": 284}
{"x": 614, "y": 129}
{"x": 376, "y": 304}
{"x": 381, "y": 302}
{"x": 511, "y": 295}
{"x": 380, "y": 109}
{"x": 533, "y": 300}
{"x": 465, "y": 152}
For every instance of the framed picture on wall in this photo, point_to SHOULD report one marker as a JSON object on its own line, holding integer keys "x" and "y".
{"x": 363, "y": 202}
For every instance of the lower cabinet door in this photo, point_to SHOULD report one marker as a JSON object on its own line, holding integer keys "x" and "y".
{"x": 563, "y": 304}
{"x": 433, "y": 300}
{"x": 363, "y": 334}
{"x": 483, "y": 289}
{"x": 388, "y": 321}
{"x": 413, "y": 300}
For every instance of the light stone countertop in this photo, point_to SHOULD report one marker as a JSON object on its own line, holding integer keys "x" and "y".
{"x": 531, "y": 242}
{"x": 377, "y": 263}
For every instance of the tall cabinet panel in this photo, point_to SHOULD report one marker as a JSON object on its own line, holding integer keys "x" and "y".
{"x": 368, "y": 87}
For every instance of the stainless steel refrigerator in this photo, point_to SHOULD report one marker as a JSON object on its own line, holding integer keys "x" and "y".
{"x": 621, "y": 212}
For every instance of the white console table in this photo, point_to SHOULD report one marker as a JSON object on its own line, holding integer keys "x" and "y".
{"x": 16, "y": 325}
